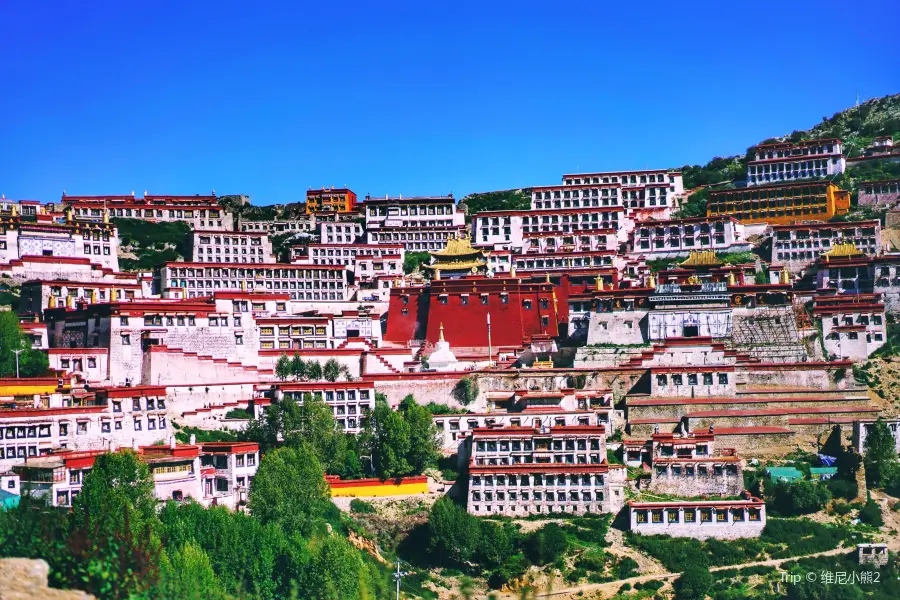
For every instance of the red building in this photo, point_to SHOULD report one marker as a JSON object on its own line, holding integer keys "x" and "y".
{"x": 519, "y": 308}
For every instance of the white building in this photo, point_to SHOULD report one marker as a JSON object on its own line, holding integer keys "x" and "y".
{"x": 670, "y": 238}
{"x": 98, "y": 242}
{"x": 302, "y": 282}
{"x": 517, "y": 471}
{"x": 853, "y": 327}
{"x": 799, "y": 245}
{"x": 724, "y": 519}
{"x": 232, "y": 247}
{"x": 351, "y": 401}
{"x": 200, "y": 212}
{"x": 784, "y": 162}
{"x": 419, "y": 224}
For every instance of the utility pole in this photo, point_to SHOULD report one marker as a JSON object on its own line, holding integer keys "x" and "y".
{"x": 17, "y": 353}
{"x": 490, "y": 350}
{"x": 397, "y": 576}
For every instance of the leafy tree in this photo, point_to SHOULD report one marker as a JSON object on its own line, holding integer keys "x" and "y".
{"x": 693, "y": 583}
{"x": 412, "y": 260}
{"x": 333, "y": 370}
{"x": 32, "y": 363}
{"x": 546, "y": 544}
{"x": 391, "y": 441}
{"x": 114, "y": 528}
{"x": 337, "y": 571}
{"x": 453, "y": 534}
{"x": 466, "y": 390}
{"x": 290, "y": 489}
{"x": 798, "y": 497}
{"x": 871, "y": 513}
{"x": 188, "y": 575}
{"x": 312, "y": 423}
{"x": 424, "y": 445}
{"x": 283, "y": 367}
{"x": 299, "y": 368}
{"x": 495, "y": 544}
{"x": 314, "y": 370}
{"x": 880, "y": 458}
{"x": 246, "y": 555}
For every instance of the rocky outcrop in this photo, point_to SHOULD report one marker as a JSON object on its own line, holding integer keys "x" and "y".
{"x": 26, "y": 579}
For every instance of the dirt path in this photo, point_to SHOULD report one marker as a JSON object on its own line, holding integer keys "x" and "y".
{"x": 600, "y": 590}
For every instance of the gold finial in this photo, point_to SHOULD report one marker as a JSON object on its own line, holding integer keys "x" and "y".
{"x": 548, "y": 276}
{"x": 441, "y": 338}
{"x": 599, "y": 282}
{"x": 437, "y": 274}
{"x": 785, "y": 276}
{"x": 68, "y": 301}
{"x": 512, "y": 268}
{"x": 93, "y": 296}
{"x": 651, "y": 281}
{"x": 106, "y": 215}
{"x": 113, "y": 295}
{"x": 14, "y": 210}
{"x": 731, "y": 279}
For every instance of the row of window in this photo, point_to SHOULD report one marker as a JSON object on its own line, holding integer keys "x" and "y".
{"x": 528, "y": 459}
{"x": 545, "y": 496}
{"x": 692, "y": 379}
{"x": 538, "y": 479}
{"x": 692, "y": 471}
{"x": 382, "y": 211}
{"x": 658, "y": 177}
{"x": 707, "y": 515}
{"x": 261, "y": 273}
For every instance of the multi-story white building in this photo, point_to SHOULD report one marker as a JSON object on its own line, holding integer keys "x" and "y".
{"x": 800, "y": 245}
{"x": 784, "y": 162}
{"x": 670, "y": 238}
{"x": 234, "y": 465}
{"x": 340, "y": 232}
{"x": 346, "y": 254}
{"x": 727, "y": 519}
{"x": 687, "y": 465}
{"x": 232, "y": 247}
{"x": 38, "y": 295}
{"x": 853, "y": 327}
{"x": 315, "y": 331}
{"x": 305, "y": 224}
{"x": 301, "y": 282}
{"x": 517, "y": 471}
{"x": 351, "y": 401}
{"x": 643, "y": 194}
{"x": 97, "y": 242}
{"x": 101, "y": 419}
{"x": 419, "y": 224}
{"x": 200, "y": 212}
{"x": 554, "y": 230}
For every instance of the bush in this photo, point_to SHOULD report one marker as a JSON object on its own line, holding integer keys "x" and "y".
{"x": 871, "y": 514}
{"x": 361, "y": 507}
{"x": 652, "y": 585}
{"x": 842, "y": 508}
{"x": 798, "y": 498}
{"x": 801, "y": 536}
{"x": 842, "y": 488}
{"x": 627, "y": 567}
{"x": 238, "y": 413}
{"x": 546, "y": 545}
{"x": 466, "y": 390}
{"x": 693, "y": 584}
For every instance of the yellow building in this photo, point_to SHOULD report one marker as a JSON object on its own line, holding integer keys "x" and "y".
{"x": 339, "y": 200}
{"x": 781, "y": 204}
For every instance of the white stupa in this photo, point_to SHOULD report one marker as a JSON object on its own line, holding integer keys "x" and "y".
{"x": 442, "y": 359}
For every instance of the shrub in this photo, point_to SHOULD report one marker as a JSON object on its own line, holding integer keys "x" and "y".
{"x": 842, "y": 508}
{"x": 693, "y": 584}
{"x": 546, "y": 545}
{"x": 798, "y": 497}
{"x": 361, "y": 507}
{"x": 627, "y": 567}
{"x": 466, "y": 390}
{"x": 842, "y": 488}
{"x": 871, "y": 514}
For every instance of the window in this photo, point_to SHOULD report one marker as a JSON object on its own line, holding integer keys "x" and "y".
{"x": 137, "y": 425}
{"x": 126, "y": 339}
{"x": 92, "y": 363}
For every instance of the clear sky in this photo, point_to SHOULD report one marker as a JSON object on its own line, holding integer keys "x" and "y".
{"x": 419, "y": 97}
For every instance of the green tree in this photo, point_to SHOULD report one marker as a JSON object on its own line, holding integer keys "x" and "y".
{"x": 391, "y": 442}
{"x": 424, "y": 445}
{"x": 311, "y": 422}
{"x": 290, "y": 489}
{"x": 299, "y": 368}
{"x": 495, "y": 545}
{"x": 188, "y": 574}
{"x": 283, "y": 367}
{"x": 798, "y": 497}
{"x": 314, "y": 370}
{"x": 693, "y": 583}
{"x": 880, "y": 458}
{"x": 332, "y": 370}
{"x": 466, "y": 390}
{"x": 453, "y": 534}
{"x": 337, "y": 571}
{"x": 32, "y": 363}
{"x": 546, "y": 544}
{"x": 413, "y": 260}
{"x": 114, "y": 528}
{"x": 871, "y": 513}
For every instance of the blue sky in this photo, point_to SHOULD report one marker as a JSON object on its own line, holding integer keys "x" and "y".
{"x": 268, "y": 99}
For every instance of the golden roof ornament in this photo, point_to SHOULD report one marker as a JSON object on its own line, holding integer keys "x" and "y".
{"x": 701, "y": 258}
{"x": 731, "y": 279}
{"x": 599, "y": 282}
{"x": 785, "y": 276}
{"x": 441, "y": 336}
{"x": 843, "y": 250}
{"x": 651, "y": 281}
